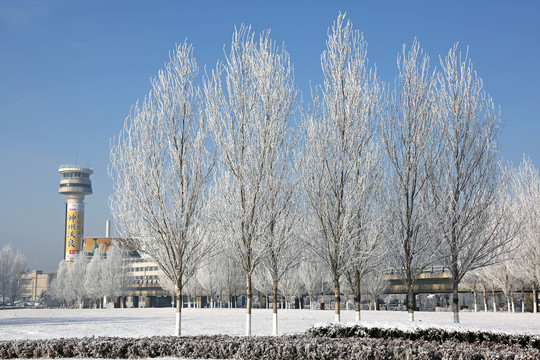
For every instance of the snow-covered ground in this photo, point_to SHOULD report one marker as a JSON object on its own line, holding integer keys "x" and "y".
{"x": 57, "y": 323}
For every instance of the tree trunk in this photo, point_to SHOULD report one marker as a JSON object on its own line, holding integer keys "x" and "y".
{"x": 485, "y": 297}
{"x": 337, "y": 299}
{"x": 410, "y": 302}
{"x": 513, "y": 302}
{"x": 357, "y": 295}
{"x": 249, "y": 296}
{"x": 274, "y": 306}
{"x": 179, "y": 302}
{"x": 475, "y": 300}
{"x": 535, "y": 299}
{"x": 455, "y": 300}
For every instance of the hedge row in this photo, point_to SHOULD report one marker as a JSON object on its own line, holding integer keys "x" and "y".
{"x": 284, "y": 347}
{"x": 334, "y": 330}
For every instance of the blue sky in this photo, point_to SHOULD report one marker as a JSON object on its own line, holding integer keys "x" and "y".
{"x": 71, "y": 70}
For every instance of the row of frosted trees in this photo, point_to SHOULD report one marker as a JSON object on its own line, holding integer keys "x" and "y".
{"x": 99, "y": 278}
{"x": 365, "y": 172}
{"x": 220, "y": 281}
{"x": 518, "y": 268}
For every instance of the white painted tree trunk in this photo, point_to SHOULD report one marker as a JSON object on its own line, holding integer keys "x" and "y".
{"x": 337, "y": 317}
{"x": 357, "y": 313}
{"x": 513, "y": 303}
{"x": 411, "y": 316}
{"x": 274, "y": 324}
{"x": 485, "y": 300}
{"x": 248, "y": 324}
{"x": 535, "y": 300}
{"x": 177, "y": 331}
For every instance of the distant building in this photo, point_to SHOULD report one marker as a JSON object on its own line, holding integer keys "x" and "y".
{"x": 34, "y": 283}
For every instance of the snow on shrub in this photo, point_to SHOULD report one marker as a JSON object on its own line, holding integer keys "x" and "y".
{"x": 339, "y": 330}
{"x": 283, "y": 347}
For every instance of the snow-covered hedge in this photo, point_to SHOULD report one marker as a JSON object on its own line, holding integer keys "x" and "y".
{"x": 336, "y": 330}
{"x": 284, "y": 347}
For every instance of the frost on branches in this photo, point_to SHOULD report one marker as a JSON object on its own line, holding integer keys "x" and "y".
{"x": 12, "y": 268}
{"x": 338, "y": 154}
{"x": 410, "y": 140}
{"x": 159, "y": 167}
{"x": 472, "y": 207}
{"x": 249, "y": 99}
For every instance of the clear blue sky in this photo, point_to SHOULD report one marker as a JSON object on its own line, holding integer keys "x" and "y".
{"x": 71, "y": 70}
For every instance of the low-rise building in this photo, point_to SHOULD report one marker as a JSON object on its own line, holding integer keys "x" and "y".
{"x": 34, "y": 283}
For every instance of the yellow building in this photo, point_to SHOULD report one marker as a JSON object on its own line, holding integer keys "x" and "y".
{"x": 34, "y": 283}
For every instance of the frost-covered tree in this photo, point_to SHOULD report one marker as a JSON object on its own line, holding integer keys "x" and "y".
{"x": 262, "y": 282}
{"x": 309, "y": 275}
{"x": 209, "y": 278}
{"x": 232, "y": 272}
{"x": 488, "y": 284}
{"x": 61, "y": 288}
{"x": 504, "y": 277}
{"x": 334, "y": 160}
{"x": 95, "y": 277}
{"x": 282, "y": 235}
{"x": 77, "y": 276}
{"x": 250, "y": 98}
{"x": 465, "y": 180}
{"x": 375, "y": 284}
{"x": 115, "y": 272}
{"x": 160, "y": 166}
{"x": 526, "y": 192}
{"x": 411, "y": 143}
{"x": 12, "y": 268}
{"x": 194, "y": 291}
{"x": 290, "y": 287}
{"x": 368, "y": 251}
{"x": 472, "y": 282}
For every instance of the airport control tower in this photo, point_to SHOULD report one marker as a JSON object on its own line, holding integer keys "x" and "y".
{"x": 75, "y": 184}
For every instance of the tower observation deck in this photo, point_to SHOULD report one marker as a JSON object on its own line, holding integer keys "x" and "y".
{"x": 75, "y": 184}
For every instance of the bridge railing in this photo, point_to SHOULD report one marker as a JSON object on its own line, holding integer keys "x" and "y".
{"x": 428, "y": 270}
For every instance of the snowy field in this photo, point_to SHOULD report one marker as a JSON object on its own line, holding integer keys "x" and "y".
{"x": 61, "y": 323}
